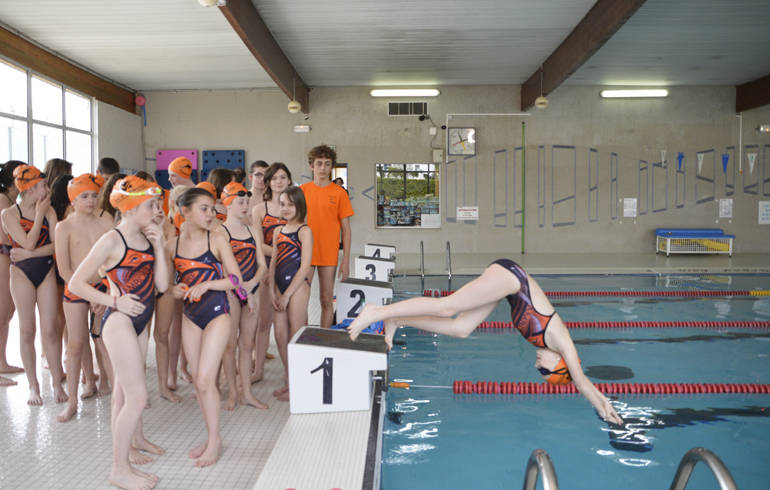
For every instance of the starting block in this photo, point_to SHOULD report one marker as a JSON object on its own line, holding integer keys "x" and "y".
{"x": 380, "y": 251}
{"x": 328, "y": 372}
{"x": 374, "y": 268}
{"x": 353, "y": 294}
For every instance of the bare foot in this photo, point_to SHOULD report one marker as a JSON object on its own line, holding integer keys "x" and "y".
{"x": 231, "y": 402}
{"x": 269, "y": 356}
{"x": 129, "y": 480}
{"x": 34, "y": 398}
{"x": 284, "y": 397}
{"x": 104, "y": 388}
{"x": 249, "y": 399}
{"x": 145, "y": 445}
{"x": 185, "y": 376}
{"x": 280, "y": 391}
{"x": 170, "y": 396}
{"x": 256, "y": 376}
{"x": 209, "y": 456}
{"x": 172, "y": 383}
{"x": 136, "y": 457}
{"x": 363, "y": 320}
{"x": 147, "y": 476}
{"x": 68, "y": 412}
{"x": 196, "y": 452}
{"x": 7, "y": 381}
{"x": 89, "y": 390}
{"x": 8, "y": 369}
{"x": 60, "y": 395}
{"x": 391, "y": 325}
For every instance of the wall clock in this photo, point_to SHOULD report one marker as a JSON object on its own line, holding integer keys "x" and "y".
{"x": 461, "y": 141}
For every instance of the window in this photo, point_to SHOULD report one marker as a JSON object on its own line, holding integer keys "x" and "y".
{"x": 41, "y": 119}
{"x": 408, "y": 195}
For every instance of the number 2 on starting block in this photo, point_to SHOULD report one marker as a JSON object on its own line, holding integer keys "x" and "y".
{"x": 353, "y": 294}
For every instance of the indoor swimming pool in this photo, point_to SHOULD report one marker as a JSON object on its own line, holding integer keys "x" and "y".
{"x": 433, "y": 438}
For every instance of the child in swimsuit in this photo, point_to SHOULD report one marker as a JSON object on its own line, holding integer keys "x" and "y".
{"x": 533, "y": 315}
{"x": 267, "y": 216}
{"x": 134, "y": 273}
{"x": 8, "y": 193}
{"x": 32, "y": 278}
{"x": 199, "y": 257}
{"x": 74, "y": 238}
{"x": 290, "y": 268}
{"x": 251, "y": 261}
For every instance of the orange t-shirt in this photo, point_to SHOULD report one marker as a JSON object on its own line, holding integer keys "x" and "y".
{"x": 326, "y": 208}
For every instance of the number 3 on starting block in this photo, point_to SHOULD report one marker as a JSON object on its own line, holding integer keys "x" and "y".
{"x": 353, "y": 294}
{"x": 374, "y": 269}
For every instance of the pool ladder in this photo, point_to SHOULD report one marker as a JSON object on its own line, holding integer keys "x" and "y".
{"x": 540, "y": 464}
{"x": 448, "y": 260}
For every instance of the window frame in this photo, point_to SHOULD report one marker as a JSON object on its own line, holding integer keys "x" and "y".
{"x": 30, "y": 120}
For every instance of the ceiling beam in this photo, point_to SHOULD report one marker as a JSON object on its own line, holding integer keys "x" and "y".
{"x": 39, "y": 60}
{"x": 599, "y": 24}
{"x": 250, "y": 27}
{"x": 752, "y": 94}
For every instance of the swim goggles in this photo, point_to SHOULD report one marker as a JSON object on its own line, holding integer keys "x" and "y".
{"x": 150, "y": 191}
{"x": 239, "y": 194}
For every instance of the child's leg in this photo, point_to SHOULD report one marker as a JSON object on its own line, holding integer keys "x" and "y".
{"x": 102, "y": 356}
{"x": 49, "y": 304}
{"x": 494, "y": 284}
{"x": 6, "y": 313}
{"x": 174, "y": 344}
{"x": 264, "y": 321}
{"x": 129, "y": 398}
{"x": 76, "y": 315}
{"x": 213, "y": 343}
{"x": 281, "y": 333}
{"x": 87, "y": 364}
{"x": 246, "y": 335}
{"x": 138, "y": 441}
{"x": 326, "y": 275}
{"x": 296, "y": 313}
{"x": 164, "y": 312}
{"x": 24, "y": 297}
{"x": 228, "y": 360}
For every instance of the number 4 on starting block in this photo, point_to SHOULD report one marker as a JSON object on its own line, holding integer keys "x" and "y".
{"x": 353, "y": 294}
{"x": 380, "y": 251}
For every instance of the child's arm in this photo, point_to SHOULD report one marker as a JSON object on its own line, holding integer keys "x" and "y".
{"x": 344, "y": 271}
{"x": 221, "y": 249}
{"x": 12, "y": 224}
{"x": 261, "y": 264}
{"x": 154, "y": 234}
{"x": 274, "y": 293}
{"x": 306, "y": 239}
{"x": 559, "y": 340}
{"x": 62, "y": 247}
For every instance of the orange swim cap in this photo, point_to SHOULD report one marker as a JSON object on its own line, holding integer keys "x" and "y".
{"x": 233, "y": 190}
{"x": 559, "y": 375}
{"x": 181, "y": 166}
{"x": 26, "y": 176}
{"x": 209, "y": 187}
{"x": 84, "y": 183}
{"x": 132, "y": 191}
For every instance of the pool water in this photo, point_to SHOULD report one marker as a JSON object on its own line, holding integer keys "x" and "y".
{"x": 435, "y": 439}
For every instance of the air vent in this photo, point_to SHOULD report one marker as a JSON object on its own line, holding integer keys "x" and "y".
{"x": 407, "y": 108}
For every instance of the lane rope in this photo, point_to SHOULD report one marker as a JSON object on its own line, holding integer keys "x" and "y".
{"x": 531, "y": 388}
{"x": 438, "y": 293}
{"x": 646, "y": 324}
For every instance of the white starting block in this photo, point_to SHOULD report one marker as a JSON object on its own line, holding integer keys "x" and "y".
{"x": 380, "y": 251}
{"x": 374, "y": 268}
{"x": 328, "y": 372}
{"x": 353, "y": 294}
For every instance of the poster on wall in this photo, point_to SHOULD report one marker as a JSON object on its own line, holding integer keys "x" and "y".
{"x": 629, "y": 207}
{"x": 764, "y": 212}
{"x": 725, "y": 208}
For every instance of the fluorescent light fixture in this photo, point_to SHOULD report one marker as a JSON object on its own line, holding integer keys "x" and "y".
{"x": 764, "y": 128}
{"x": 634, "y": 93}
{"x": 404, "y": 92}
{"x": 301, "y": 128}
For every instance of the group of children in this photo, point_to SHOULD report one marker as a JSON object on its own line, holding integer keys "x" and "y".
{"x": 216, "y": 263}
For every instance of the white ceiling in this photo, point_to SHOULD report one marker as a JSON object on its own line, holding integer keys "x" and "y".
{"x": 177, "y": 44}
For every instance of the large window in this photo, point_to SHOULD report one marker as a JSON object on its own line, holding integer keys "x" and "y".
{"x": 41, "y": 119}
{"x": 407, "y": 195}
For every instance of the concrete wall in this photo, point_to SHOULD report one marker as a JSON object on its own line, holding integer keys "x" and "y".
{"x": 690, "y": 120}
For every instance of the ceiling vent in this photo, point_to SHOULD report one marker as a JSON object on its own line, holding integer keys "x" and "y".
{"x": 407, "y": 108}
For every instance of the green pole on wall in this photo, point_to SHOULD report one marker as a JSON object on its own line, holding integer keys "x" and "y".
{"x": 523, "y": 182}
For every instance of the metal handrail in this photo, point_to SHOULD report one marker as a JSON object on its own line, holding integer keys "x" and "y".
{"x": 691, "y": 458}
{"x": 448, "y": 260}
{"x": 540, "y": 463}
{"x": 422, "y": 260}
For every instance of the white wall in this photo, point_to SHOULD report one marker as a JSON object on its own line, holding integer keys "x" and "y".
{"x": 119, "y": 135}
{"x": 692, "y": 119}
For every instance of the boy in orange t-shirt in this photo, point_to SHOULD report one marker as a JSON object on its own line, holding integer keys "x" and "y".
{"x": 328, "y": 213}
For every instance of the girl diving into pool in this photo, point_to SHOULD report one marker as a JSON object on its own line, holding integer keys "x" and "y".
{"x": 533, "y": 315}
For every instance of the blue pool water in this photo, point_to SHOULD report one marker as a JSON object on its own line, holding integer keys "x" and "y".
{"x": 435, "y": 439}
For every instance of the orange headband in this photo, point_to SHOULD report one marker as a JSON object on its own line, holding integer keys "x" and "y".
{"x": 181, "y": 166}
{"x": 84, "y": 183}
{"x": 233, "y": 190}
{"x": 26, "y": 176}
{"x": 209, "y": 187}
{"x": 132, "y": 191}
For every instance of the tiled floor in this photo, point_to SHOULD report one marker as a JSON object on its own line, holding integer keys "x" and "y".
{"x": 37, "y": 452}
